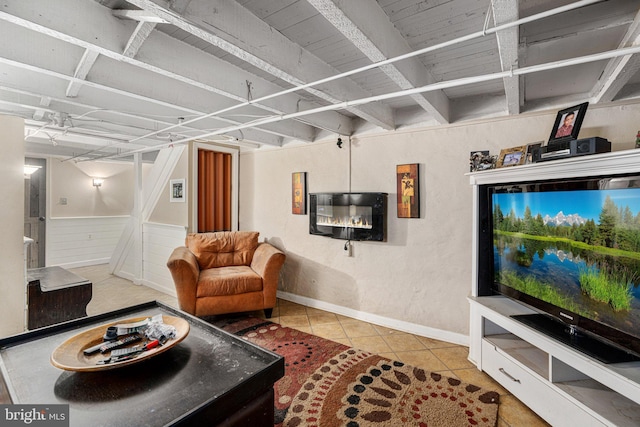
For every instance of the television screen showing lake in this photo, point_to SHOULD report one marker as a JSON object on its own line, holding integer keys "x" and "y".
{"x": 579, "y": 250}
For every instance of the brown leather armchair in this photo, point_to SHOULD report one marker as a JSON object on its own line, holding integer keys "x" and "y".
{"x": 225, "y": 272}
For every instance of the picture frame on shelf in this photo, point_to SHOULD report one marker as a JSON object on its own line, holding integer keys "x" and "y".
{"x": 299, "y": 193}
{"x": 530, "y": 149}
{"x": 513, "y": 156}
{"x": 481, "y": 160}
{"x": 568, "y": 123}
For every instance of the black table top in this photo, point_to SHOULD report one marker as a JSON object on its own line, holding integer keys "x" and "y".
{"x": 209, "y": 372}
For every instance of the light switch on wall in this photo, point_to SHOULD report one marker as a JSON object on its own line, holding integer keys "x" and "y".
{"x": 63, "y": 200}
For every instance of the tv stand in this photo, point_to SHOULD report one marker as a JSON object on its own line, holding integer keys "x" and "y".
{"x": 561, "y": 384}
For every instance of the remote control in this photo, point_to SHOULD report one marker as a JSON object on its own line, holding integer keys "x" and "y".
{"x": 119, "y": 352}
{"x": 120, "y": 343}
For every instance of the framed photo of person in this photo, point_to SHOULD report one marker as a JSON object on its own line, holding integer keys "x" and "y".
{"x": 512, "y": 156}
{"x": 568, "y": 123}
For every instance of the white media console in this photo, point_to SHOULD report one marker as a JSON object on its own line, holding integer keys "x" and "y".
{"x": 562, "y": 385}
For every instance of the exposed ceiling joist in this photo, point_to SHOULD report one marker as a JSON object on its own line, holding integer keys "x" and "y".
{"x": 619, "y": 71}
{"x": 83, "y": 68}
{"x": 368, "y": 27}
{"x": 222, "y": 24}
{"x": 505, "y": 11}
{"x": 223, "y": 80}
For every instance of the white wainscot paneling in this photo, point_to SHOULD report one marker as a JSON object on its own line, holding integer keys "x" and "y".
{"x": 82, "y": 241}
{"x": 158, "y": 241}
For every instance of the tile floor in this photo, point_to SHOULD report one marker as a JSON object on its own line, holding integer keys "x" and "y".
{"x": 111, "y": 292}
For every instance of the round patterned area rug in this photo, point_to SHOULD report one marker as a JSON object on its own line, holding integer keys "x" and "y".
{"x": 328, "y": 384}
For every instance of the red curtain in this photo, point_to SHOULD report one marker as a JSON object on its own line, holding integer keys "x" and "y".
{"x": 214, "y": 191}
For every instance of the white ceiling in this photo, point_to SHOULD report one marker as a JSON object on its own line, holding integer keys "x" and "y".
{"x": 105, "y": 78}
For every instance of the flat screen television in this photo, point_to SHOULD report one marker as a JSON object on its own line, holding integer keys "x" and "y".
{"x": 571, "y": 250}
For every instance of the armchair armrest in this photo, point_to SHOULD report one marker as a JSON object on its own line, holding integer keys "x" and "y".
{"x": 267, "y": 262}
{"x": 185, "y": 272}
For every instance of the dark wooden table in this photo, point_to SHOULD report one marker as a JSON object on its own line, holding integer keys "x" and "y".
{"x": 210, "y": 378}
{"x": 55, "y": 295}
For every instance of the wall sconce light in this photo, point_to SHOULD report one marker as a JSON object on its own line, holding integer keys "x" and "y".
{"x": 97, "y": 182}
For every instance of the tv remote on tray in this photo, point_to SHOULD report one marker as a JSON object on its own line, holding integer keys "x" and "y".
{"x": 120, "y": 343}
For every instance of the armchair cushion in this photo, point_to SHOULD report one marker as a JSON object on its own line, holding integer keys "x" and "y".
{"x": 228, "y": 281}
{"x": 222, "y": 249}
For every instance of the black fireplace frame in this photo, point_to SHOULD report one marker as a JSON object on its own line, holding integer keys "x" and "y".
{"x": 376, "y": 223}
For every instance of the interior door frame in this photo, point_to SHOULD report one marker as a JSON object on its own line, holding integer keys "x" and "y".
{"x": 43, "y": 193}
{"x": 235, "y": 161}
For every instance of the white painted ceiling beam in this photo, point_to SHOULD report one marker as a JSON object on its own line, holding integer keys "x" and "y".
{"x": 82, "y": 70}
{"x": 44, "y": 102}
{"x": 619, "y": 71}
{"x": 194, "y": 68}
{"x": 140, "y": 34}
{"x": 505, "y": 11}
{"x": 229, "y": 26}
{"x": 368, "y": 27}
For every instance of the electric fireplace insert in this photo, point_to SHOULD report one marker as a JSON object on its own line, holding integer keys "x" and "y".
{"x": 348, "y": 216}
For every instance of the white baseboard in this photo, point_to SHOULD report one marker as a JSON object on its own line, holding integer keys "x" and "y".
{"x": 412, "y": 328}
{"x": 169, "y": 291}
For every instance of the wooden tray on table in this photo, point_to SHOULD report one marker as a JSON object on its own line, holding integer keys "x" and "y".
{"x": 70, "y": 354}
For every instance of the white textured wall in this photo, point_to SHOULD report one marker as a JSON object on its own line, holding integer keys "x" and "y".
{"x": 422, "y": 274}
{"x": 12, "y": 280}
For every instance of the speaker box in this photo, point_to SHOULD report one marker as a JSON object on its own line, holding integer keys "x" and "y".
{"x": 574, "y": 148}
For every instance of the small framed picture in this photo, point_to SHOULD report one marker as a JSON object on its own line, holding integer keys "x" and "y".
{"x": 530, "y": 149}
{"x": 512, "y": 156}
{"x": 568, "y": 123}
{"x": 299, "y": 193}
{"x": 481, "y": 160}
{"x": 177, "y": 190}
{"x": 408, "y": 186}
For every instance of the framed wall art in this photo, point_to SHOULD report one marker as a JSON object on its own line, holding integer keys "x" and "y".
{"x": 299, "y": 193}
{"x": 177, "y": 190}
{"x": 408, "y": 186}
{"x": 512, "y": 156}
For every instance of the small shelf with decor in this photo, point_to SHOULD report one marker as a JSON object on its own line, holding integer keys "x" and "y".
{"x": 536, "y": 326}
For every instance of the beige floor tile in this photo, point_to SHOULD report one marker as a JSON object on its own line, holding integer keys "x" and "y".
{"x": 386, "y": 331}
{"x": 323, "y": 319}
{"x": 329, "y": 330}
{"x": 374, "y": 344}
{"x": 356, "y": 328}
{"x": 433, "y": 343}
{"x": 454, "y": 357}
{"x": 292, "y": 310}
{"x": 403, "y": 342}
{"x": 422, "y": 359}
{"x": 296, "y": 321}
{"x": 515, "y": 414}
